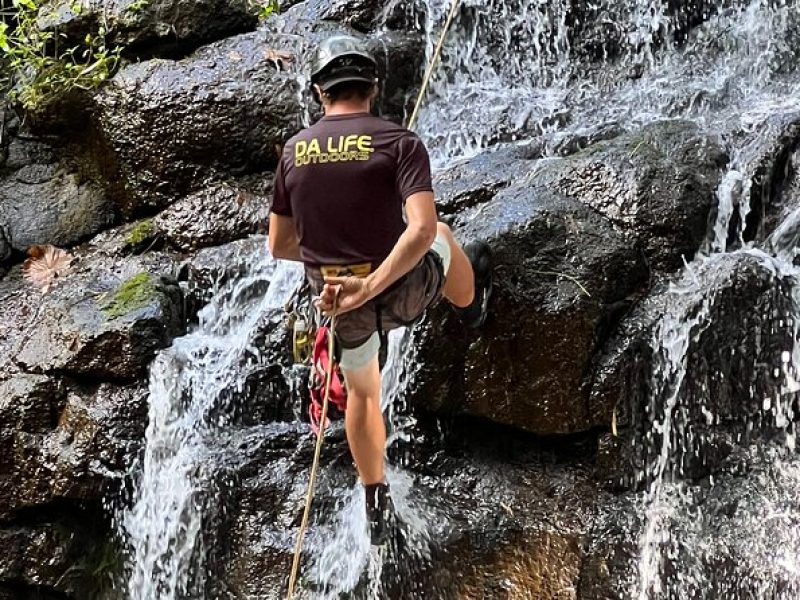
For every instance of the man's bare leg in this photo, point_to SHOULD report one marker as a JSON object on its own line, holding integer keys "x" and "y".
{"x": 366, "y": 432}
{"x": 459, "y": 286}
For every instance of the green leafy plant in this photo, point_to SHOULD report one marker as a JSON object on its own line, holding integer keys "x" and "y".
{"x": 265, "y": 8}
{"x": 39, "y": 66}
{"x": 137, "y": 6}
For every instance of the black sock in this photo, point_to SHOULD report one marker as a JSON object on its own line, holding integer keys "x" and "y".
{"x": 373, "y": 496}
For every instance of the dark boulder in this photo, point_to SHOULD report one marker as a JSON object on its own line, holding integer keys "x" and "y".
{"x": 657, "y": 184}
{"x": 152, "y": 27}
{"x": 170, "y": 126}
{"x": 574, "y": 239}
{"x": 46, "y": 199}
{"x": 209, "y": 268}
{"x": 38, "y": 556}
{"x": 204, "y": 274}
{"x": 562, "y": 272}
{"x": 167, "y": 128}
{"x": 215, "y": 215}
{"x": 361, "y": 15}
{"x": 56, "y": 559}
{"x": 31, "y": 403}
{"x": 105, "y": 320}
{"x": 771, "y": 176}
{"x": 80, "y": 458}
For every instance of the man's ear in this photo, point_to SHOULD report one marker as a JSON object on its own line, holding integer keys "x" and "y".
{"x": 316, "y": 91}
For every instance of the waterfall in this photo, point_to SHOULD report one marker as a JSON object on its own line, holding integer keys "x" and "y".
{"x": 189, "y": 381}
{"x": 509, "y": 71}
{"x": 347, "y": 535}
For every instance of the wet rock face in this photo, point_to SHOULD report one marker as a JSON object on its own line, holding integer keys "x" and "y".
{"x": 658, "y": 185}
{"x": 171, "y": 126}
{"x": 45, "y": 200}
{"x": 213, "y": 216}
{"x": 80, "y": 458}
{"x": 65, "y": 449}
{"x": 104, "y": 321}
{"x": 526, "y": 369}
{"x": 574, "y": 240}
{"x": 361, "y": 15}
{"x": 483, "y": 536}
{"x": 31, "y": 403}
{"x": 152, "y": 27}
{"x": 729, "y": 367}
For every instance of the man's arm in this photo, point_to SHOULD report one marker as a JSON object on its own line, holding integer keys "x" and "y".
{"x": 411, "y": 246}
{"x": 283, "y": 242}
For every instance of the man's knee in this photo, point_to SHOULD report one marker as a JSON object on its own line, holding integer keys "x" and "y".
{"x": 445, "y": 230}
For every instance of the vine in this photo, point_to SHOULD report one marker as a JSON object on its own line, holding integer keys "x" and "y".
{"x": 39, "y": 66}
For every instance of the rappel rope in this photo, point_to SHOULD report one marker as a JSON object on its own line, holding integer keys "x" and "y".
{"x": 331, "y": 337}
{"x": 298, "y": 547}
{"x": 432, "y": 64}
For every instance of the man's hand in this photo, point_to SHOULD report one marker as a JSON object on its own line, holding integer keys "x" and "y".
{"x": 353, "y": 293}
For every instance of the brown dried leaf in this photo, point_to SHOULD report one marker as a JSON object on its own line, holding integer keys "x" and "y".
{"x": 235, "y": 56}
{"x": 281, "y": 58}
{"x": 45, "y": 265}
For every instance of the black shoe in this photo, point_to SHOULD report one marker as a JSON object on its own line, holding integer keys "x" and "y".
{"x": 380, "y": 512}
{"x": 480, "y": 257}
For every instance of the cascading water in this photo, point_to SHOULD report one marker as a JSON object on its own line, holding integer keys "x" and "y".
{"x": 508, "y": 70}
{"x": 188, "y": 383}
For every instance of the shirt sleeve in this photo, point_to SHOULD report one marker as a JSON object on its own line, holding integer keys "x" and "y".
{"x": 414, "y": 167}
{"x": 280, "y": 196}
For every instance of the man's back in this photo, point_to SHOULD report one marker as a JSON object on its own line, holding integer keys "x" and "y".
{"x": 344, "y": 181}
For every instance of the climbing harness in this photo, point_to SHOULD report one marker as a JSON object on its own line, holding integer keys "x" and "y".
{"x": 317, "y": 451}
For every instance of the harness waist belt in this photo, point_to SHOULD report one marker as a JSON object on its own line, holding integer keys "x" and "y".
{"x": 360, "y": 270}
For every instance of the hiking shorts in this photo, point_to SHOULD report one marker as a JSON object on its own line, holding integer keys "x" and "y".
{"x": 402, "y": 304}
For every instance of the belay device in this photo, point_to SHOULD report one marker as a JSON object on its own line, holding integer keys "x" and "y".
{"x": 310, "y": 334}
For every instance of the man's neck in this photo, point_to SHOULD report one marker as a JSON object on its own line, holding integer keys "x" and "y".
{"x": 346, "y": 107}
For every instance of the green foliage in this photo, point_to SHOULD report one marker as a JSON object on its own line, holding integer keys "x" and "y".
{"x": 38, "y": 66}
{"x": 265, "y": 8}
{"x": 134, "y": 293}
{"x": 137, "y": 6}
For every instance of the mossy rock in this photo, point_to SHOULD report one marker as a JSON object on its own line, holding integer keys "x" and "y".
{"x": 140, "y": 233}
{"x": 133, "y": 294}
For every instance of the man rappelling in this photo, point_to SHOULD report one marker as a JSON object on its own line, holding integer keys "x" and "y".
{"x": 341, "y": 190}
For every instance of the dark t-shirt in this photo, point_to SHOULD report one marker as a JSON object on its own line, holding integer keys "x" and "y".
{"x": 344, "y": 181}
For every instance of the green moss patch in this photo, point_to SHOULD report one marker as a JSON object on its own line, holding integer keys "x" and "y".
{"x": 134, "y": 293}
{"x": 141, "y": 232}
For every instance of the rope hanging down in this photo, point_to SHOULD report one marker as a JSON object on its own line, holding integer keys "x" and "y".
{"x": 431, "y": 65}
{"x": 298, "y": 548}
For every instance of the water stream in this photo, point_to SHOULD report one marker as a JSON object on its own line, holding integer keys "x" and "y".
{"x": 189, "y": 382}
